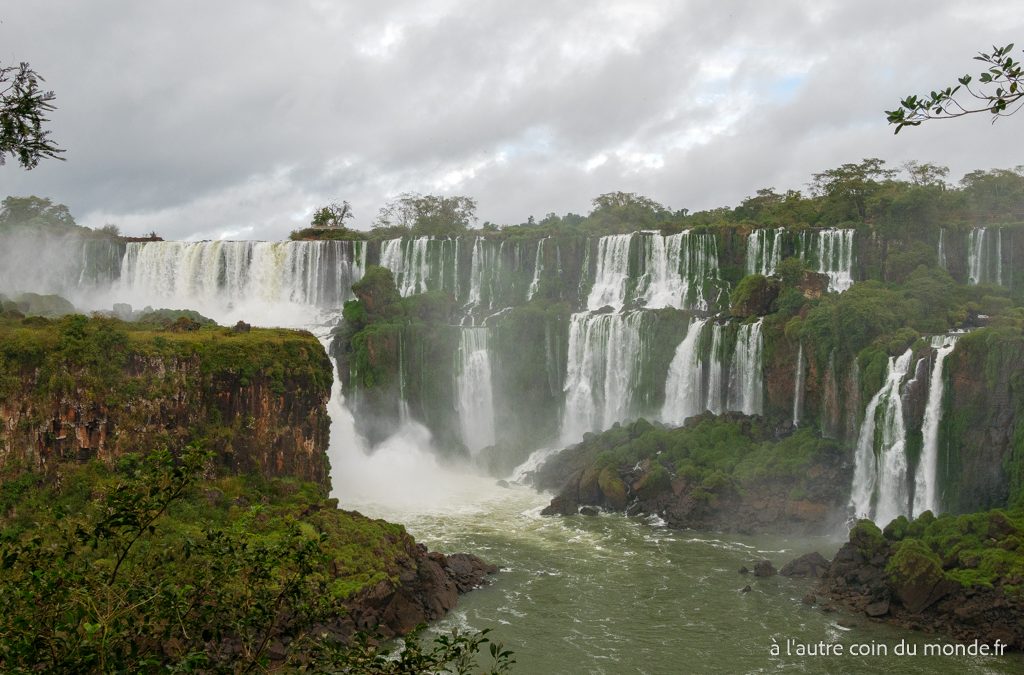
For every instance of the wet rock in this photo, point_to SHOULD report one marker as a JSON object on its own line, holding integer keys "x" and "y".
{"x": 810, "y": 566}
{"x": 879, "y": 608}
{"x": 764, "y": 568}
{"x": 746, "y": 589}
{"x": 809, "y": 599}
{"x": 744, "y": 570}
{"x": 560, "y": 506}
{"x": 503, "y": 484}
{"x": 588, "y": 511}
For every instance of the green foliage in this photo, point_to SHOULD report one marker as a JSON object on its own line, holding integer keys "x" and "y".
{"x": 148, "y": 568}
{"x": 23, "y": 109}
{"x": 332, "y": 215}
{"x": 338, "y": 233}
{"x": 753, "y": 296}
{"x": 1002, "y": 73}
{"x": 428, "y": 215}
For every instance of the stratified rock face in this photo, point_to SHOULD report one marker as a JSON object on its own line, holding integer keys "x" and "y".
{"x": 258, "y": 400}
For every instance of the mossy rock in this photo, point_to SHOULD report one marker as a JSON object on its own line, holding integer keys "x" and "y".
{"x": 655, "y": 481}
{"x": 916, "y": 576}
{"x": 612, "y": 488}
{"x": 868, "y": 539}
{"x": 754, "y": 296}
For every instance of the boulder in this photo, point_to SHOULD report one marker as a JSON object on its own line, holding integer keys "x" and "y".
{"x": 809, "y": 566}
{"x": 764, "y": 568}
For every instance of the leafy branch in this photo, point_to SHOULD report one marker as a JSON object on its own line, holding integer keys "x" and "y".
{"x": 1007, "y": 98}
{"x": 23, "y": 108}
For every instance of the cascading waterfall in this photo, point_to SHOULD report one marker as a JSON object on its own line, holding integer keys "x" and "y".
{"x": 611, "y": 274}
{"x": 943, "y": 263}
{"x": 538, "y": 269}
{"x": 746, "y": 381}
{"x": 422, "y": 264}
{"x": 221, "y": 274}
{"x": 669, "y": 271}
{"x": 763, "y": 254}
{"x": 683, "y": 390}
{"x": 834, "y": 250}
{"x": 985, "y": 256}
{"x": 605, "y": 353}
{"x": 716, "y": 381}
{"x": 880, "y": 471}
{"x": 926, "y": 493}
{"x": 474, "y": 390}
{"x": 798, "y": 386}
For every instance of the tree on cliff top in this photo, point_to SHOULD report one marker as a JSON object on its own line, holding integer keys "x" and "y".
{"x": 1003, "y": 73}
{"x": 23, "y": 108}
{"x": 430, "y": 215}
{"x": 332, "y": 215}
{"x": 34, "y": 210}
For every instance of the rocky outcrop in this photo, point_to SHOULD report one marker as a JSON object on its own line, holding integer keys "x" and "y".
{"x": 257, "y": 400}
{"x": 802, "y": 502}
{"x": 898, "y": 578}
{"x": 425, "y": 588}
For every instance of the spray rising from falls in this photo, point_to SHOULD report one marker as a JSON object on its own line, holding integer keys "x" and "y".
{"x": 219, "y": 277}
{"x": 880, "y": 490}
{"x": 474, "y": 389}
{"x": 926, "y": 493}
{"x": 985, "y": 256}
{"x": 605, "y": 354}
{"x": 764, "y": 250}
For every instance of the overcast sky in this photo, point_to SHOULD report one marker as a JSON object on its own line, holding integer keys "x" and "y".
{"x": 235, "y": 119}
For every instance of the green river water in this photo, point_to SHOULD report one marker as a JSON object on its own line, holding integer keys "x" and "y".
{"x": 611, "y": 594}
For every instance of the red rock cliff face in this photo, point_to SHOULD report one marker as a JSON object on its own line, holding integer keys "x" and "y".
{"x": 272, "y": 423}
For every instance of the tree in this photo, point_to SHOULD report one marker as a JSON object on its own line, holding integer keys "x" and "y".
{"x": 849, "y": 186}
{"x": 614, "y": 211}
{"x": 23, "y": 108}
{"x": 332, "y": 215}
{"x": 34, "y": 210}
{"x": 1003, "y": 73}
{"x": 430, "y": 215}
{"x": 926, "y": 174}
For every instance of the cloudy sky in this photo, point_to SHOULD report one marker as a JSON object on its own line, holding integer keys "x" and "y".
{"x": 235, "y": 119}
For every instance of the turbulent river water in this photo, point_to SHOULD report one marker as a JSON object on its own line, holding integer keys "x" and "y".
{"x": 611, "y": 594}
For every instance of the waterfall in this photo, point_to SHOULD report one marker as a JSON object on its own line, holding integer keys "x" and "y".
{"x": 422, "y": 264}
{"x": 798, "y": 386}
{"x": 943, "y": 263}
{"x": 474, "y": 390}
{"x": 985, "y": 256}
{"x": 834, "y": 250}
{"x": 611, "y": 272}
{"x": 669, "y": 271}
{"x": 215, "y": 276}
{"x": 746, "y": 382}
{"x": 605, "y": 353}
{"x": 538, "y": 268}
{"x": 716, "y": 394}
{"x": 880, "y": 474}
{"x": 926, "y": 494}
{"x": 763, "y": 255}
{"x": 683, "y": 385}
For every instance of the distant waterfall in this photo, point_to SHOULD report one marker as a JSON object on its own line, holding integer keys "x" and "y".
{"x": 421, "y": 264}
{"x": 985, "y": 256}
{"x": 219, "y": 273}
{"x": 880, "y": 473}
{"x": 926, "y": 494}
{"x": 834, "y": 251}
{"x": 746, "y": 382}
{"x": 602, "y": 366}
{"x": 683, "y": 388}
{"x": 611, "y": 272}
{"x": 667, "y": 272}
{"x": 716, "y": 381}
{"x": 474, "y": 390}
{"x": 798, "y": 386}
{"x": 538, "y": 269}
{"x": 943, "y": 263}
{"x": 764, "y": 252}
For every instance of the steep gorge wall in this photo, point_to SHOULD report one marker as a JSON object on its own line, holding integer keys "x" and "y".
{"x": 80, "y": 390}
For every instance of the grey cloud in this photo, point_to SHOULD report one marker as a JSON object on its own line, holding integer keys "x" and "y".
{"x": 203, "y": 119}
